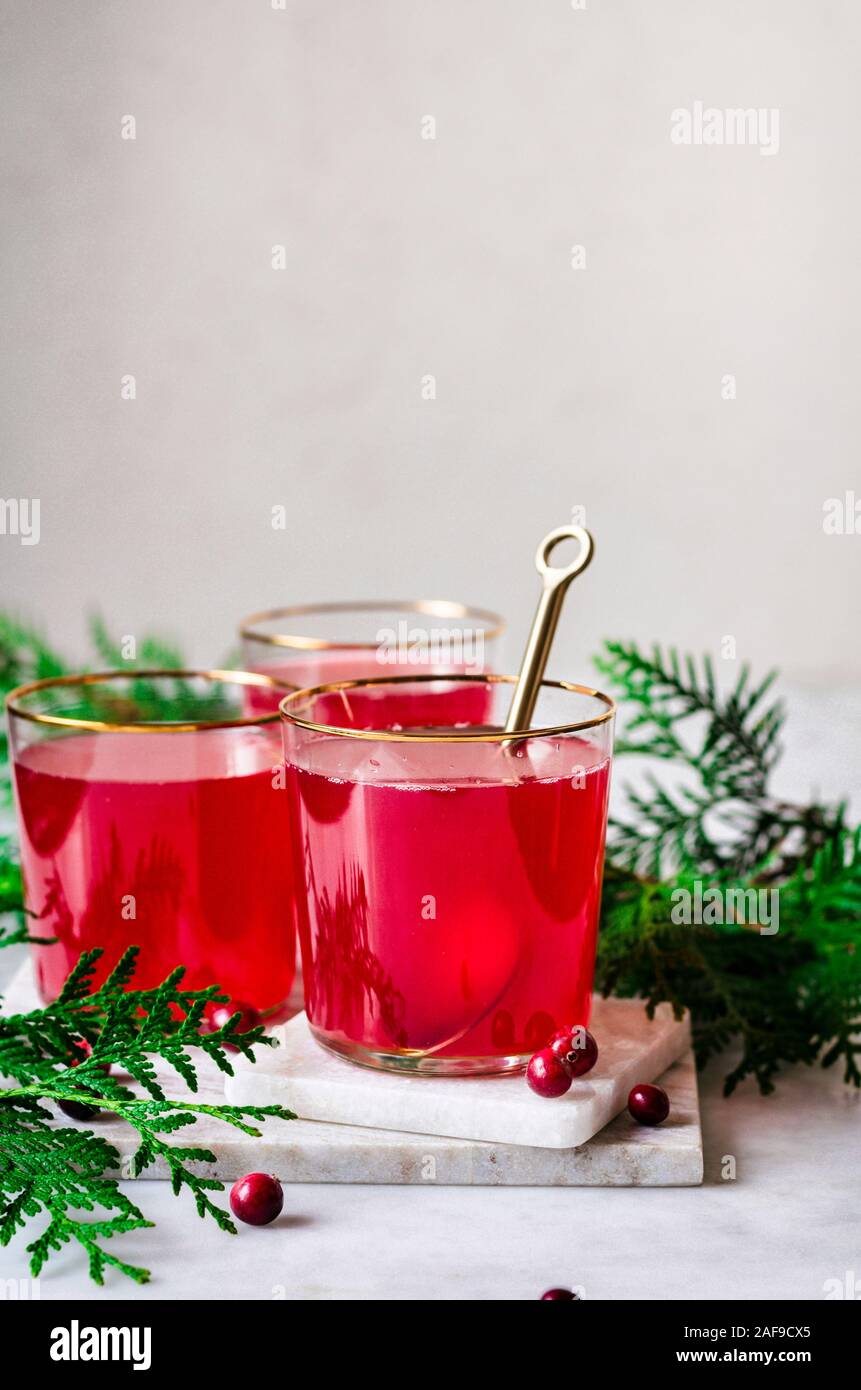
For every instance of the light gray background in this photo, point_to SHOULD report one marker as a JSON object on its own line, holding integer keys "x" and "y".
{"x": 302, "y": 387}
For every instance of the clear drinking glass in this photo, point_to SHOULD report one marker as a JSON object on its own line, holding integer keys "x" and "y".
{"x": 312, "y": 644}
{"x": 152, "y": 812}
{"x": 448, "y": 879}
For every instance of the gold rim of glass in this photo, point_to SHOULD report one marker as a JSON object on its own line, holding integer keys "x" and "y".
{"x": 427, "y": 607}
{"x": 455, "y": 735}
{"x": 144, "y": 726}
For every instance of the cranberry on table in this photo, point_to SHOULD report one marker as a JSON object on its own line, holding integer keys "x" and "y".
{"x": 576, "y": 1049}
{"x": 81, "y": 1052}
{"x": 256, "y": 1199}
{"x": 220, "y": 1015}
{"x": 560, "y": 1042}
{"x": 546, "y": 1074}
{"x": 648, "y": 1105}
{"x": 77, "y": 1110}
{"x": 559, "y": 1296}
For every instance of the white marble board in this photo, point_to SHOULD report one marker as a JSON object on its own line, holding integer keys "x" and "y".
{"x": 623, "y": 1154}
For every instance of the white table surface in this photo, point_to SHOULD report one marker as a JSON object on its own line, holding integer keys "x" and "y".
{"x": 789, "y": 1222}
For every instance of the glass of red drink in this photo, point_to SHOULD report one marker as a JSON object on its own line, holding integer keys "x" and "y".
{"x": 315, "y": 644}
{"x": 152, "y": 812}
{"x": 448, "y": 878}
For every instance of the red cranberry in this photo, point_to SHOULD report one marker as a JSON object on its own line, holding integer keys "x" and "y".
{"x": 560, "y": 1042}
{"x": 576, "y": 1048}
{"x": 221, "y": 1014}
{"x": 559, "y": 1296}
{"x": 256, "y": 1199}
{"x": 583, "y": 1053}
{"x": 547, "y": 1075}
{"x": 649, "y": 1105}
{"x": 82, "y": 1051}
{"x": 77, "y": 1110}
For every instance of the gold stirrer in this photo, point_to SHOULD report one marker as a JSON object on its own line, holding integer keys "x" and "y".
{"x": 555, "y": 583}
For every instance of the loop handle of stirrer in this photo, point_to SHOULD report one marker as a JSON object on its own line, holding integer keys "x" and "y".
{"x": 555, "y": 583}
{"x": 554, "y": 574}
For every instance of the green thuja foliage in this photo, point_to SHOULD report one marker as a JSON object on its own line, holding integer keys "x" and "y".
{"x": 74, "y": 1051}
{"x": 793, "y": 995}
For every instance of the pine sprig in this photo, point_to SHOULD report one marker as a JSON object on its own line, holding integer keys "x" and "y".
{"x": 723, "y": 821}
{"x": 45, "y": 1168}
{"x": 14, "y": 928}
{"x": 792, "y": 996}
{"x": 740, "y": 737}
{"x": 163, "y": 699}
{"x": 25, "y": 656}
{"x": 60, "y": 1172}
{"x": 740, "y": 987}
{"x": 152, "y": 651}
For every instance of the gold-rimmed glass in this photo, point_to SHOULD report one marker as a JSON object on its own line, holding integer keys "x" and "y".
{"x": 313, "y": 644}
{"x": 152, "y": 812}
{"x": 451, "y": 875}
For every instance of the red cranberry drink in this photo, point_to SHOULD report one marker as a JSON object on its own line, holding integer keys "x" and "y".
{"x": 172, "y": 841}
{"x": 452, "y": 883}
{"x": 326, "y": 643}
{"x": 400, "y": 706}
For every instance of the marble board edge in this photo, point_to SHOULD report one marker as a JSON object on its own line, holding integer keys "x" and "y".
{"x": 310, "y": 1151}
{"x": 320, "y": 1086}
